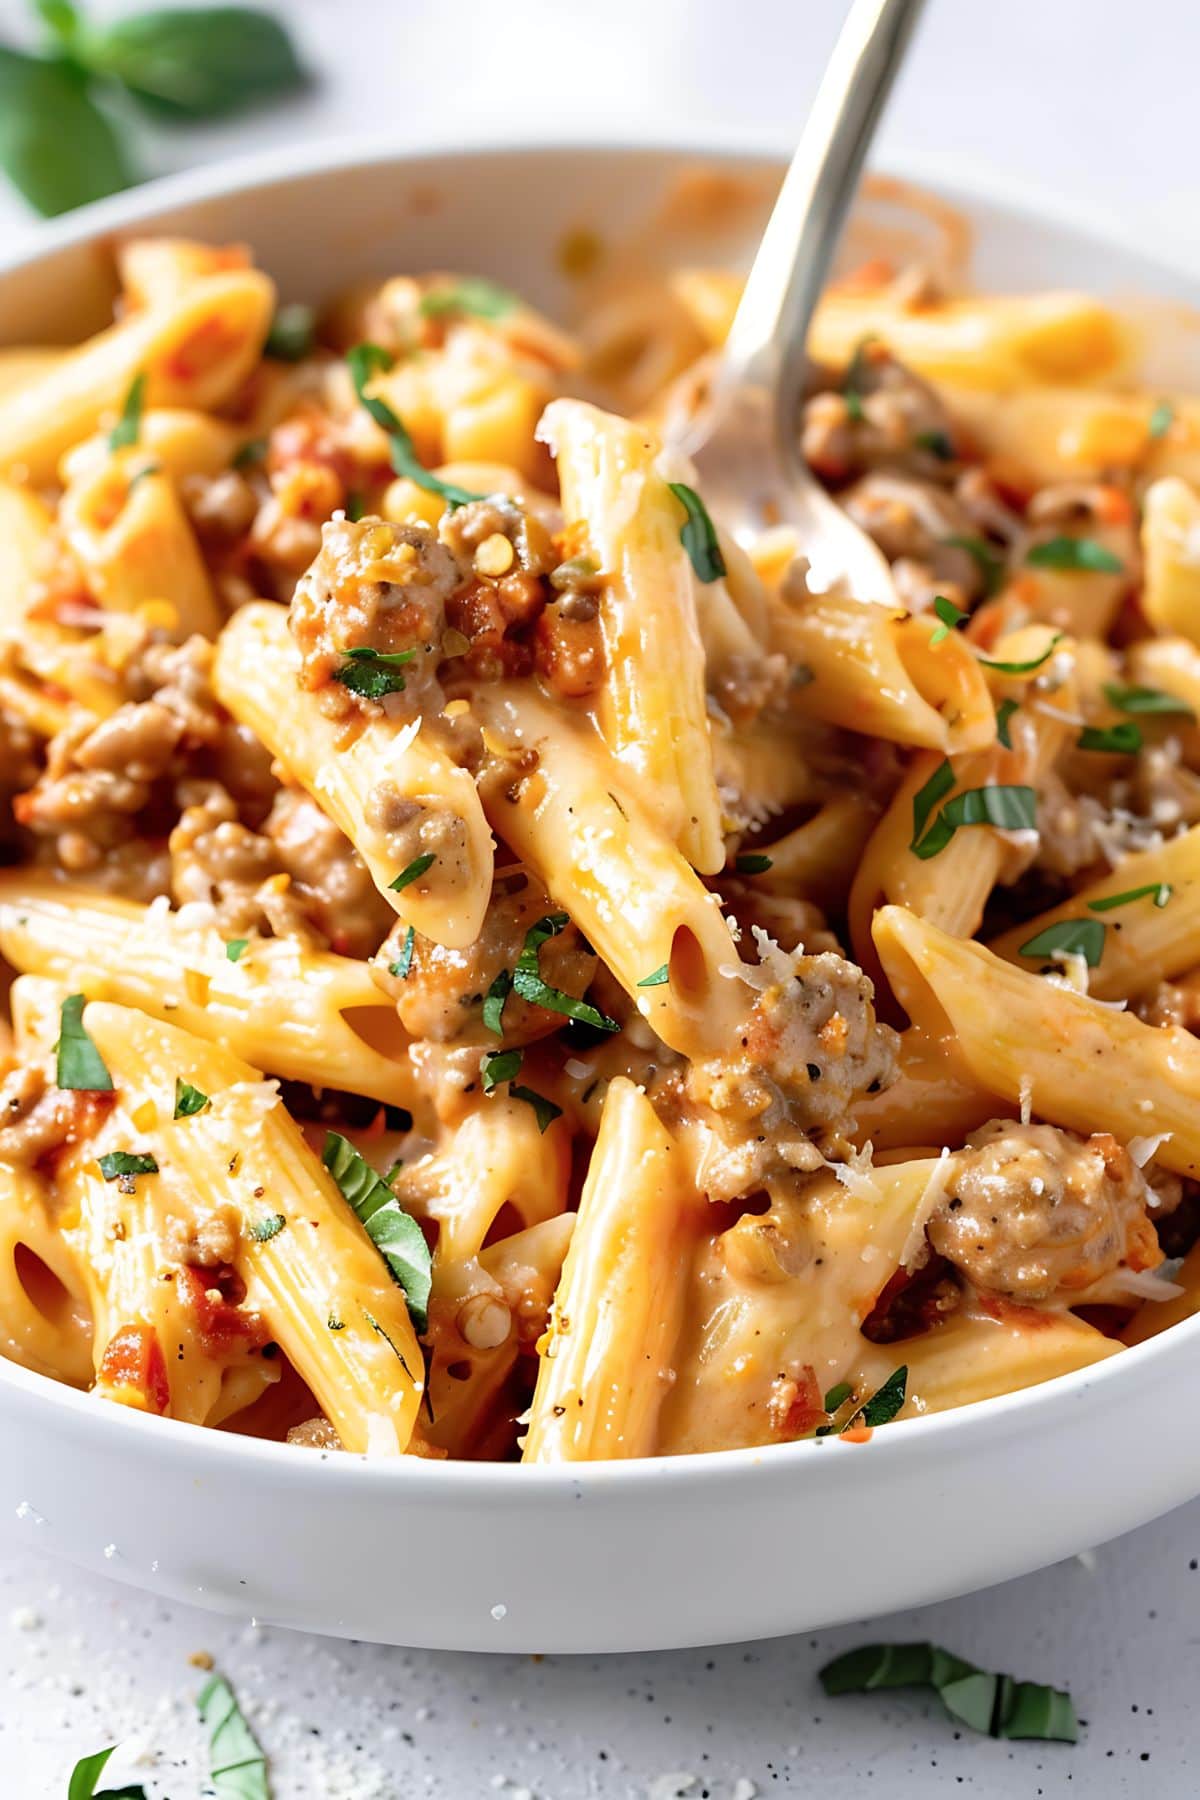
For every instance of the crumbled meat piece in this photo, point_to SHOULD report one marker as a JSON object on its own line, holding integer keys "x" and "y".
{"x": 329, "y": 878}
{"x": 18, "y": 770}
{"x": 222, "y": 507}
{"x": 914, "y": 521}
{"x": 467, "y": 529}
{"x": 37, "y": 1117}
{"x": 1039, "y": 1214}
{"x": 904, "y": 426}
{"x": 810, "y": 1045}
{"x": 747, "y": 686}
{"x": 375, "y": 586}
{"x": 207, "y": 1243}
{"x": 441, "y": 998}
{"x": 1078, "y": 831}
{"x": 315, "y": 1434}
{"x": 299, "y": 875}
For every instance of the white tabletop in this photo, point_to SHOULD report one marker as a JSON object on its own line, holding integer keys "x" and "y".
{"x": 1095, "y": 104}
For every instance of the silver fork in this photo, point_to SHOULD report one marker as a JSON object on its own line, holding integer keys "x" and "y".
{"x": 743, "y": 442}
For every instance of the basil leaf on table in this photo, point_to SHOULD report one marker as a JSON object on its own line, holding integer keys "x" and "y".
{"x": 197, "y": 62}
{"x": 56, "y": 146}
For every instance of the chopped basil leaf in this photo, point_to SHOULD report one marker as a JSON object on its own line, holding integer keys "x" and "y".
{"x": 235, "y": 949}
{"x": 150, "y": 468}
{"x": 924, "y": 801}
{"x": 1145, "y": 700}
{"x": 752, "y": 862}
{"x": 1121, "y": 740}
{"x": 403, "y": 962}
{"x": 938, "y": 443}
{"x": 838, "y": 1396}
{"x": 416, "y": 868}
{"x": 853, "y": 384}
{"x": 1161, "y": 419}
{"x": 395, "y": 1234}
{"x": 263, "y": 1230}
{"x": 989, "y": 564}
{"x": 355, "y": 507}
{"x": 1064, "y": 552}
{"x": 660, "y": 977}
{"x": 188, "y": 1099}
{"x": 373, "y": 673}
{"x": 545, "y": 1110}
{"x": 373, "y": 1322}
{"x": 698, "y": 535}
{"x": 992, "y": 1704}
{"x": 86, "y": 1774}
{"x": 528, "y": 983}
{"x": 473, "y": 294}
{"x": 1004, "y": 713}
{"x": 1069, "y": 937}
{"x": 950, "y": 616}
{"x": 493, "y": 1005}
{"x": 1023, "y": 668}
{"x": 498, "y": 1066}
{"x": 1007, "y": 808}
{"x": 292, "y": 332}
{"x": 1161, "y": 890}
{"x": 884, "y": 1403}
{"x": 129, "y": 425}
{"x": 118, "y": 1163}
{"x": 366, "y": 360}
{"x": 237, "y": 1765}
{"x": 253, "y": 451}
{"x": 78, "y": 1062}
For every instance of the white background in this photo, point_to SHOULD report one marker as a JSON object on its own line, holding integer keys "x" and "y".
{"x": 1088, "y": 101}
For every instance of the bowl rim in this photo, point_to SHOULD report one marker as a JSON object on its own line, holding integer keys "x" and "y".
{"x": 504, "y": 1483}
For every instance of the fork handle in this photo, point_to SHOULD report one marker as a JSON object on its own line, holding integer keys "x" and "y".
{"x": 765, "y": 343}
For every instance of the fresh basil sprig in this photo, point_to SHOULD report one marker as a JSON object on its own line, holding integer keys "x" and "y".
{"x": 528, "y": 983}
{"x": 58, "y": 144}
{"x": 78, "y": 1062}
{"x": 237, "y": 1764}
{"x": 698, "y": 534}
{"x": 394, "y": 1233}
{"x": 995, "y": 1705}
{"x": 1007, "y": 808}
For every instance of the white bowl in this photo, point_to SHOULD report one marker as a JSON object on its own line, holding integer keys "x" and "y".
{"x": 619, "y": 1556}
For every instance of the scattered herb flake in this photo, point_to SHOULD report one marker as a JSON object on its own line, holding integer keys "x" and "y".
{"x": 1023, "y": 668}
{"x": 78, "y": 1062}
{"x": 927, "y": 797}
{"x": 403, "y": 962}
{"x": 376, "y": 1327}
{"x": 838, "y": 1396}
{"x": 1161, "y": 419}
{"x": 472, "y": 294}
{"x": 938, "y": 443}
{"x": 292, "y": 334}
{"x": 545, "y": 1110}
{"x": 1069, "y": 937}
{"x": 989, "y": 564}
{"x": 698, "y": 534}
{"x": 493, "y": 1005}
{"x": 263, "y": 1230}
{"x": 1145, "y": 700}
{"x": 237, "y": 1765}
{"x": 528, "y": 983}
{"x": 660, "y": 977}
{"x": 253, "y": 451}
{"x": 1075, "y": 553}
{"x": 1124, "y": 739}
{"x": 356, "y": 506}
{"x": 884, "y": 1403}
{"x": 373, "y": 673}
{"x": 752, "y": 862}
{"x": 950, "y": 615}
{"x": 1004, "y": 713}
{"x": 498, "y": 1066}
{"x": 128, "y": 427}
{"x": 1161, "y": 891}
{"x": 235, "y": 949}
{"x": 333, "y": 1323}
{"x": 367, "y": 360}
{"x": 415, "y": 869}
{"x": 852, "y": 386}
{"x": 395, "y": 1234}
{"x": 1006, "y": 808}
{"x": 188, "y": 1099}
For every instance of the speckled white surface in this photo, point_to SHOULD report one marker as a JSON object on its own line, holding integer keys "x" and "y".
{"x": 1089, "y": 102}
